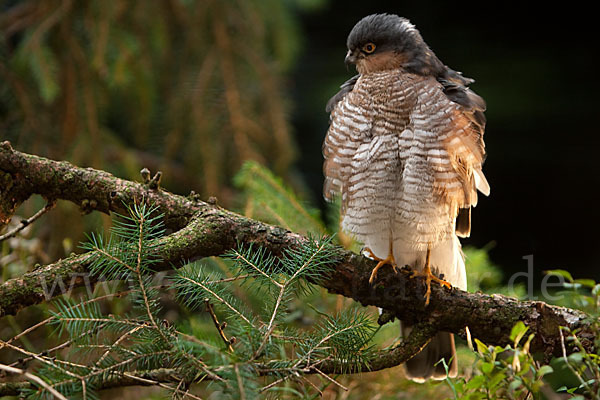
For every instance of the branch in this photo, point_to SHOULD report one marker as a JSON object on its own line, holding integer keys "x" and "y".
{"x": 418, "y": 338}
{"x": 207, "y": 230}
{"x": 218, "y": 325}
{"x": 22, "y": 175}
{"x": 157, "y": 377}
{"x": 26, "y": 222}
{"x": 39, "y": 381}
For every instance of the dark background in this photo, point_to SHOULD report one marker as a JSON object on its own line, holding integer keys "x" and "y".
{"x": 535, "y": 66}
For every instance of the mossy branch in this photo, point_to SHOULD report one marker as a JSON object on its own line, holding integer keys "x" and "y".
{"x": 201, "y": 229}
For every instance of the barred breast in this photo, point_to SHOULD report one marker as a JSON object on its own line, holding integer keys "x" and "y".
{"x": 385, "y": 152}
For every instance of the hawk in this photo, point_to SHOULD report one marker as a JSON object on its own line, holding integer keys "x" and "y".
{"x": 405, "y": 149}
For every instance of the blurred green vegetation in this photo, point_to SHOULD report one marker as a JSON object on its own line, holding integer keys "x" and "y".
{"x": 191, "y": 88}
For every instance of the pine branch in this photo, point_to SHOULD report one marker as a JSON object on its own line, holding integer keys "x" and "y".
{"x": 218, "y": 325}
{"x": 39, "y": 381}
{"x": 383, "y": 359}
{"x": 207, "y": 230}
{"x": 26, "y": 222}
{"x": 156, "y": 377}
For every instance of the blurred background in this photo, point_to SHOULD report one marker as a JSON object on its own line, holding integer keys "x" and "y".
{"x": 195, "y": 88}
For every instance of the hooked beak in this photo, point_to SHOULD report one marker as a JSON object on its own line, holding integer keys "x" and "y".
{"x": 351, "y": 58}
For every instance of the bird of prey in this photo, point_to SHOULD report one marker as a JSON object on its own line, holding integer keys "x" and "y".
{"x": 405, "y": 149}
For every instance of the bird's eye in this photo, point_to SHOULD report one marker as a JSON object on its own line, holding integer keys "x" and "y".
{"x": 368, "y": 48}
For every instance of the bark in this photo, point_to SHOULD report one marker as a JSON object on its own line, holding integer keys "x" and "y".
{"x": 201, "y": 229}
{"x": 22, "y": 175}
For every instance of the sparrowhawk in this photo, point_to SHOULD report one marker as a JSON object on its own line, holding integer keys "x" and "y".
{"x": 405, "y": 149}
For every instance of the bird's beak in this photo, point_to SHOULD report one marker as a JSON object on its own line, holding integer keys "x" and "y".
{"x": 350, "y": 58}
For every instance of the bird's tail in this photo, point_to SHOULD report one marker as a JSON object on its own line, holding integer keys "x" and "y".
{"x": 425, "y": 364}
{"x": 447, "y": 259}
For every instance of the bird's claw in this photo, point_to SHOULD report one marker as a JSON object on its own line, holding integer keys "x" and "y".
{"x": 389, "y": 261}
{"x": 429, "y": 276}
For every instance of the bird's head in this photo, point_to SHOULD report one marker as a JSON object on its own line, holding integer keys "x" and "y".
{"x": 385, "y": 41}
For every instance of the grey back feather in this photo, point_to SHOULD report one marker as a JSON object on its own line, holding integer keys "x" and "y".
{"x": 344, "y": 90}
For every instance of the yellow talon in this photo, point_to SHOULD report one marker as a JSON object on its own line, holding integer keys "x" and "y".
{"x": 428, "y": 275}
{"x": 389, "y": 260}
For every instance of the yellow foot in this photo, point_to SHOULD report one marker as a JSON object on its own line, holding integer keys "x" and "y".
{"x": 389, "y": 260}
{"x": 428, "y": 275}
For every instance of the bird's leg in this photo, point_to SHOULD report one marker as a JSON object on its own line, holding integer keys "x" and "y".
{"x": 428, "y": 275}
{"x": 388, "y": 260}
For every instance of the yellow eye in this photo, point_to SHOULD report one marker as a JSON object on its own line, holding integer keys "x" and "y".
{"x": 368, "y": 48}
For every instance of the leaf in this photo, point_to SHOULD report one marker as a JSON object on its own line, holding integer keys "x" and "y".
{"x": 514, "y": 385}
{"x": 517, "y": 332}
{"x": 590, "y": 283}
{"x": 575, "y": 358}
{"x": 481, "y": 347}
{"x": 561, "y": 273}
{"x": 486, "y": 367}
{"x": 476, "y": 382}
{"x": 496, "y": 380}
{"x": 545, "y": 370}
{"x": 568, "y": 285}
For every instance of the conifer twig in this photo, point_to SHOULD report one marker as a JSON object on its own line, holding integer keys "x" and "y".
{"x": 42, "y": 359}
{"x": 26, "y": 222}
{"x": 117, "y": 342}
{"x": 282, "y": 289}
{"x": 138, "y": 271}
{"x": 330, "y": 379}
{"x": 52, "y": 318}
{"x": 39, "y": 381}
{"x": 256, "y": 268}
{"x": 275, "y": 383}
{"x": 304, "y": 379}
{"x": 219, "y": 298}
{"x": 239, "y": 382}
{"x": 219, "y": 326}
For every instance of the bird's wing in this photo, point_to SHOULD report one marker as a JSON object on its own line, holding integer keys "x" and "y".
{"x": 350, "y": 126}
{"x": 344, "y": 90}
{"x": 454, "y": 116}
{"x": 339, "y": 144}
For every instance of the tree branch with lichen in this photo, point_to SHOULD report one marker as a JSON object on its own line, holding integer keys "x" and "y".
{"x": 200, "y": 229}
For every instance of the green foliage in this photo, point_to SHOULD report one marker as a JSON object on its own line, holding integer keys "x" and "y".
{"x": 502, "y": 372}
{"x": 483, "y": 275}
{"x": 348, "y": 334}
{"x": 513, "y": 372}
{"x": 241, "y": 352}
{"x": 130, "y": 250}
{"x": 189, "y": 87}
{"x": 267, "y": 198}
{"x": 576, "y": 293}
